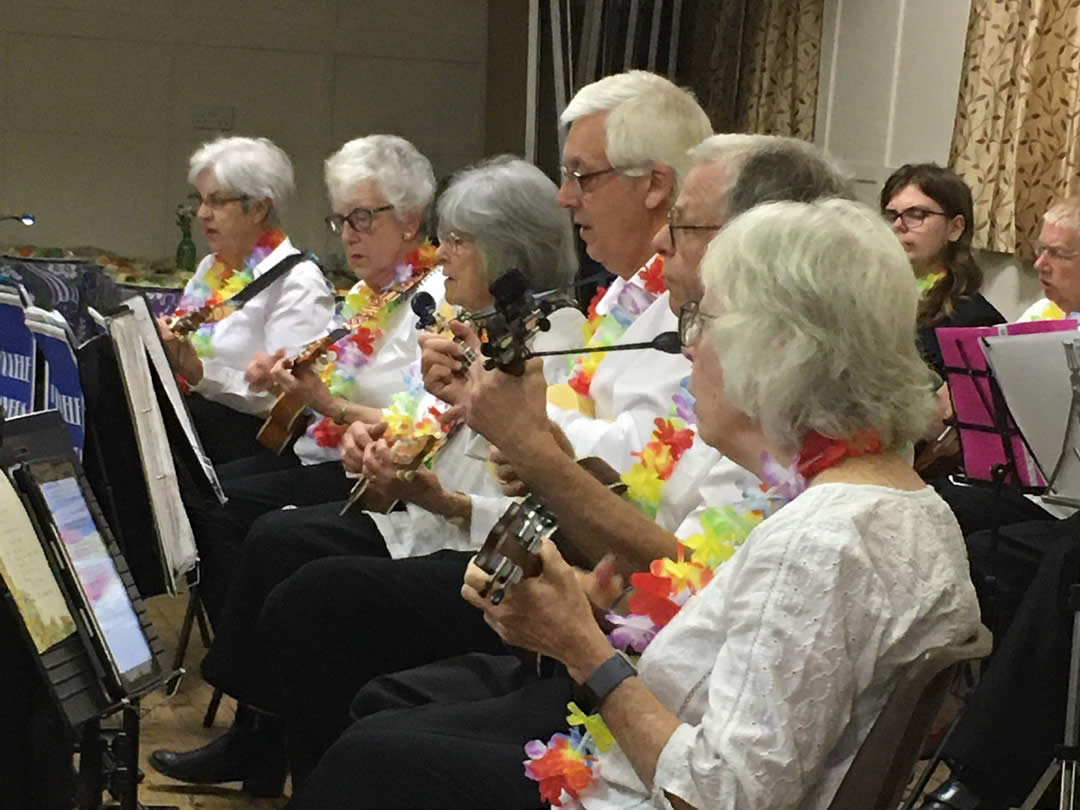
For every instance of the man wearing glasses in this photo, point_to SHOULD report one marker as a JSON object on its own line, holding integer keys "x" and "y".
{"x": 1057, "y": 260}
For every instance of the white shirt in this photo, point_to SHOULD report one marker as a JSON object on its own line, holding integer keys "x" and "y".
{"x": 395, "y": 352}
{"x": 462, "y": 465}
{"x": 629, "y": 389}
{"x": 1038, "y": 311}
{"x": 779, "y": 667}
{"x": 288, "y": 315}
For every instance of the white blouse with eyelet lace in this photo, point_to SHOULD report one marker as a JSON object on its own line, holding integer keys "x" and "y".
{"x": 778, "y": 668}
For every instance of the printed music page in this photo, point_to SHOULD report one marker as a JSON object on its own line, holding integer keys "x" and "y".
{"x": 27, "y": 574}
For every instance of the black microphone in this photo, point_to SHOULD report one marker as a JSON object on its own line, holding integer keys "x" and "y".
{"x": 424, "y": 306}
{"x": 667, "y": 342}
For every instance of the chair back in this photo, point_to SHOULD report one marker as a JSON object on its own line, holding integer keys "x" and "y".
{"x": 887, "y": 757}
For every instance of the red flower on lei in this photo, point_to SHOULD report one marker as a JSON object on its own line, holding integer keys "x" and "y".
{"x": 653, "y": 276}
{"x": 562, "y": 767}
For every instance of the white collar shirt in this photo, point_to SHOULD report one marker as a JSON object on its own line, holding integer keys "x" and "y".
{"x": 292, "y": 312}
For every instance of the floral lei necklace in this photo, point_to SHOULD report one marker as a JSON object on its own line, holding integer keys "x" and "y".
{"x": 220, "y": 283}
{"x": 357, "y": 349}
{"x": 929, "y": 281}
{"x": 564, "y": 765}
{"x": 604, "y": 330}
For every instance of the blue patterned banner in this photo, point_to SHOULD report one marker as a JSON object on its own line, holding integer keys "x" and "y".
{"x": 16, "y": 356}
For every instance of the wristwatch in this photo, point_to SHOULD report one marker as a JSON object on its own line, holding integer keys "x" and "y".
{"x": 607, "y": 676}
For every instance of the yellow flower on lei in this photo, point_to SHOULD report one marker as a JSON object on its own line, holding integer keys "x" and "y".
{"x": 593, "y": 724}
{"x": 643, "y": 484}
{"x": 682, "y": 573}
{"x": 724, "y": 531}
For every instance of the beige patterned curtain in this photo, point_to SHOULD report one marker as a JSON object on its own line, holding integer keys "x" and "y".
{"x": 755, "y": 64}
{"x": 1017, "y": 134}
{"x": 778, "y": 83}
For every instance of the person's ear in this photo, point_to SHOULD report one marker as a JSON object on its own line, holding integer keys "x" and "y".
{"x": 661, "y": 191}
{"x": 956, "y": 227}
{"x": 261, "y": 208}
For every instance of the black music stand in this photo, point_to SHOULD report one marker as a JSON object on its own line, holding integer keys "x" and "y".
{"x": 72, "y": 669}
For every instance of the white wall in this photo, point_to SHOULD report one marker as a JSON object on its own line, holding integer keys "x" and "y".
{"x": 890, "y": 79}
{"x": 96, "y": 121}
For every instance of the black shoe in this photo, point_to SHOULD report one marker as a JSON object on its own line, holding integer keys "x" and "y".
{"x": 251, "y": 752}
{"x": 952, "y": 795}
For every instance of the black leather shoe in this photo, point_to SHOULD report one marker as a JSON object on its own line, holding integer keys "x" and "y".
{"x": 952, "y": 795}
{"x": 252, "y": 753}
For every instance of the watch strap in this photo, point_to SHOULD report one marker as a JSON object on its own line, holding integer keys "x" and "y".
{"x": 607, "y": 676}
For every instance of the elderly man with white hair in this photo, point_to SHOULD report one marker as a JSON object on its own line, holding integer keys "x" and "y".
{"x": 1057, "y": 260}
{"x": 766, "y": 660}
{"x": 241, "y": 184}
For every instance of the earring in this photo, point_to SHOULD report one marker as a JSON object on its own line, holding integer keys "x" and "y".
{"x": 406, "y": 236}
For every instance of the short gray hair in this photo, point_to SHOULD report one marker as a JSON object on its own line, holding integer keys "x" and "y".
{"x": 770, "y": 168}
{"x": 403, "y": 175}
{"x": 1065, "y": 213}
{"x": 815, "y": 326}
{"x": 255, "y": 167}
{"x": 649, "y": 119}
{"x": 509, "y": 208}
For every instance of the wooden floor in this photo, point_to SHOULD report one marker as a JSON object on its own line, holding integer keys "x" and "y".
{"x": 176, "y": 723}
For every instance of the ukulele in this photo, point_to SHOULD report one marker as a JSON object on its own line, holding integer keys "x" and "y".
{"x": 409, "y": 452}
{"x": 288, "y": 415}
{"x": 509, "y": 553}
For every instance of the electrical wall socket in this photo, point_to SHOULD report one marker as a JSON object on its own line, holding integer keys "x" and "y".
{"x": 208, "y": 116}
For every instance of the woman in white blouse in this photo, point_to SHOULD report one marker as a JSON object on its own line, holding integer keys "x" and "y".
{"x": 241, "y": 184}
{"x": 759, "y": 688}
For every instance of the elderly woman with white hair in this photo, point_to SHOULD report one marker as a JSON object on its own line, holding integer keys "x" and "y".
{"x": 771, "y": 645}
{"x": 241, "y": 184}
{"x": 498, "y": 215}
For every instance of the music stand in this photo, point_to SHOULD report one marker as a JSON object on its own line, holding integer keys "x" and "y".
{"x": 84, "y": 670}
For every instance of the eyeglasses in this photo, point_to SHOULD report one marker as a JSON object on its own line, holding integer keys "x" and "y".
{"x": 215, "y": 201}
{"x": 691, "y": 322}
{"x": 674, "y": 226}
{"x": 452, "y": 241}
{"x": 577, "y": 178}
{"x": 911, "y": 217}
{"x": 1053, "y": 252}
{"x": 361, "y": 219}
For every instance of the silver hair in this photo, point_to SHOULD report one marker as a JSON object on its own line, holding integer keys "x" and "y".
{"x": 815, "y": 326}
{"x": 1065, "y": 213}
{"x": 403, "y": 175}
{"x": 770, "y": 168}
{"x": 509, "y": 208}
{"x": 255, "y": 167}
{"x": 649, "y": 119}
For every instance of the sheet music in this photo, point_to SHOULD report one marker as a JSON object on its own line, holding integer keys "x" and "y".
{"x": 160, "y": 363}
{"x": 1034, "y": 378}
{"x": 27, "y": 574}
{"x": 177, "y": 542}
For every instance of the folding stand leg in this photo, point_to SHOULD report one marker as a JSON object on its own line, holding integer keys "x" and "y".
{"x": 91, "y": 782}
{"x": 1067, "y": 755}
{"x": 211, "y": 709}
{"x": 193, "y": 609}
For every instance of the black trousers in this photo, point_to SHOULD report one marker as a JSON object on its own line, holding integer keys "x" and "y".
{"x": 255, "y": 486}
{"x": 1006, "y": 736}
{"x": 338, "y": 623}
{"x": 445, "y": 736}
{"x": 226, "y": 434}
{"x": 278, "y": 544}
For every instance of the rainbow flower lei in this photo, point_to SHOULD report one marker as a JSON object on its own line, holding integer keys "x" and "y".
{"x": 220, "y": 283}
{"x": 563, "y": 766}
{"x": 604, "y": 330}
{"x": 357, "y": 349}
